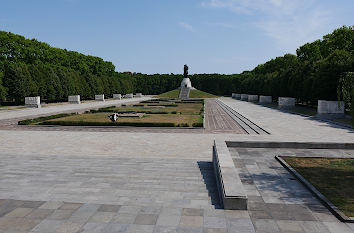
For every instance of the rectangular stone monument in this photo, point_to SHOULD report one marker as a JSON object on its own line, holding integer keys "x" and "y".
{"x": 330, "y": 108}
{"x": 117, "y": 96}
{"x": 286, "y": 102}
{"x": 129, "y": 96}
{"x": 99, "y": 97}
{"x": 74, "y": 99}
{"x": 33, "y": 102}
{"x": 238, "y": 96}
{"x": 252, "y": 98}
{"x": 244, "y": 97}
{"x": 265, "y": 99}
{"x": 138, "y": 95}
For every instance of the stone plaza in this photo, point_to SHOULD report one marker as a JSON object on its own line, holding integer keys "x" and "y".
{"x": 96, "y": 179}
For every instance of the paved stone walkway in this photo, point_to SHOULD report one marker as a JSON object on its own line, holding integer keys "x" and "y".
{"x": 78, "y": 181}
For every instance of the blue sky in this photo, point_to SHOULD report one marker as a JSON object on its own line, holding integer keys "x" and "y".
{"x": 160, "y": 36}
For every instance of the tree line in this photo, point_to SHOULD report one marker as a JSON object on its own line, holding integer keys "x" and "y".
{"x": 33, "y": 68}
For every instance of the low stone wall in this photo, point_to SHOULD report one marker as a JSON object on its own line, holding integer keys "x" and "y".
{"x": 265, "y": 99}
{"x": 286, "y": 102}
{"x": 330, "y": 107}
{"x": 244, "y": 97}
{"x": 117, "y": 96}
{"x": 252, "y": 98}
{"x": 138, "y": 95}
{"x": 99, "y": 97}
{"x": 231, "y": 190}
{"x": 34, "y": 102}
{"x": 74, "y": 99}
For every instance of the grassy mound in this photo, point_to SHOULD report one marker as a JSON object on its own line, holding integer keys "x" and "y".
{"x": 192, "y": 94}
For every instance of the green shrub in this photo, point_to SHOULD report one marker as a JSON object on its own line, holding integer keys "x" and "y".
{"x": 44, "y": 118}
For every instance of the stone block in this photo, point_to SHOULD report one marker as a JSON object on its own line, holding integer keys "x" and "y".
{"x": 286, "y": 102}
{"x": 138, "y": 95}
{"x": 244, "y": 97}
{"x": 74, "y": 99}
{"x": 117, "y": 96}
{"x": 231, "y": 190}
{"x": 99, "y": 97}
{"x": 252, "y": 98}
{"x": 330, "y": 107}
{"x": 34, "y": 102}
{"x": 129, "y": 96}
{"x": 265, "y": 99}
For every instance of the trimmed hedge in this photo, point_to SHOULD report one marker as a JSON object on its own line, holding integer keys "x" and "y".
{"x": 44, "y": 118}
{"x": 83, "y": 123}
{"x": 198, "y": 124}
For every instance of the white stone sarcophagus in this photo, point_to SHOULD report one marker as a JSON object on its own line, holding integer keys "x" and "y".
{"x": 129, "y": 96}
{"x": 74, "y": 99}
{"x": 117, "y": 96}
{"x": 286, "y": 102}
{"x": 325, "y": 107}
{"x": 99, "y": 97}
{"x": 252, "y": 98}
{"x": 34, "y": 102}
{"x": 265, "y": 99}
{"x": 244, "y": 97}
{"x": 138, "y": 95}
{"x": 238, "y": 96}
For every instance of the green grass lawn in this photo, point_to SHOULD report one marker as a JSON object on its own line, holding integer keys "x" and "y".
{"x": 192, "y": 94}
{"x": 334, "y": 178}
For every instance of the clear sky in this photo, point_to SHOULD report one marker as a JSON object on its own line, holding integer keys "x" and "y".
{"x": 160, "y": 36}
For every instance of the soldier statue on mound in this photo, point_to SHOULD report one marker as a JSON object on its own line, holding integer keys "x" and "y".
{"x": 186, "y": 85}
{"x": 185, "y": 74}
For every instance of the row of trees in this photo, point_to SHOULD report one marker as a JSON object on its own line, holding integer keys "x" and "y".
{"x": 31, "y": 68}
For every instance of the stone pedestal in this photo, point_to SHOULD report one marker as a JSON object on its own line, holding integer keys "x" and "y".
{"x": 330, "y": 108}
{"x": 265, "y": 99}
{"x": 99, "y": 97}
{"x": 117, "y": 96}
{"x": 252, "y": 98}
{"x": 286, "y": 102}
{"x": 33, "y": 102}
{"x": 139, "y": 95}
{"x": 244, "y": 97}
{"x": 74, "y": 99}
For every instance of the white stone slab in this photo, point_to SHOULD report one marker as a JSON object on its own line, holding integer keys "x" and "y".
{"x": 252, "y": 98}
{"x": 265, "y": 99}
{"x": 99, "y": 97}
{"x": 117, "y": 96}
{"x": 244, "y": 97}
{"x": 330, "y": 107}
{"x": 34, "y": 102}
{"x": 74, "y": 99}
{"x": 286, "y": 102}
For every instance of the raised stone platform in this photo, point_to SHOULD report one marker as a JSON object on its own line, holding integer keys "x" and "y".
{"x": 232, "y": 193}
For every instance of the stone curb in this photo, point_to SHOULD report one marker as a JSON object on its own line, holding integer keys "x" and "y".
{"x": 231, "y": 191}
{"x": 329, "y": 205}
{"x": 293, "y": 145}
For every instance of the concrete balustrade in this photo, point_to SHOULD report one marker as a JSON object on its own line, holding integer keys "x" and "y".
{"x": 117, "y": 96}
{"x": 244, "y": 97}
{"x": 252, "y": 98}
{"x": 265, "y": 99}
{"x": 286, "y": 102}
{"x": 74, "y": 99}
{"x": 99, "y": 97}
{"x": 33, "y": 102}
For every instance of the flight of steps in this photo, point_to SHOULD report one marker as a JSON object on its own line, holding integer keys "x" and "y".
{"x": 184, "y": 93}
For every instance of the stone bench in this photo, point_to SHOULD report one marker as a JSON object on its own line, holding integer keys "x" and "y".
{"x": 244, "y": 97}
{"x": 252, "y": 98}
{"x": 265, "y": 99}
{"x": 99, "y": 97}
{"x": 117, "y": 96}
{"x": 33, "y": 102}
{"x": 231, "y": 191}
{"x": 286, "y": 102}
{"x": 330, "y": 108}
{"x": 74, "y": 99}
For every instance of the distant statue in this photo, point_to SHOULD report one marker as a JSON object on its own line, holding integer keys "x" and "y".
{"x": 185, "y": 74}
